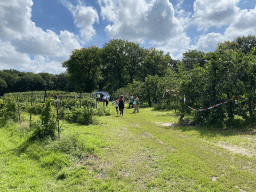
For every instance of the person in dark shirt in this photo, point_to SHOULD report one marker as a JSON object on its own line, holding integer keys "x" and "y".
{"x": 121, "y": 105}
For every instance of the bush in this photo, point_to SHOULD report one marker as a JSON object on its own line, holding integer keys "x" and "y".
{"x": 70, "y": 144}
{"x": 46, "y": 127}
{"x": 9, "y": 109}
{"x": 35, "y": 109}
{"x": 79, "y": 115}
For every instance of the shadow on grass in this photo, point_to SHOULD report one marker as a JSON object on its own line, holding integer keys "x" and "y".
{"x": 211, "y": 131}
{"x": 23, "y": 147}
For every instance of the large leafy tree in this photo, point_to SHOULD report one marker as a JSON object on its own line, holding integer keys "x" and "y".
{"x": 155, "y": 63}
{"x": 10, "y": 77}
{"x": 153, "y": 87}
{"x": 114, "y": 63}
{"x": 245, "y": 44}
{"x": 135, "y": 56}
{"x": 193, "y": 57}
{"x": 3, "y": 86}
{"x": 83, "y": 68}
{"x": 48, "y": 80}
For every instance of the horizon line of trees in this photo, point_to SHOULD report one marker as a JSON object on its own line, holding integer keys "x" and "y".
{"x": 205, "y": 78}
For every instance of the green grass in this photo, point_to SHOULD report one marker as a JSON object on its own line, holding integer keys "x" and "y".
{"x": 130, "y": 153}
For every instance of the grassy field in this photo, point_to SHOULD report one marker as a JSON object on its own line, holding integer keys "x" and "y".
{"x": 146, "y": 151}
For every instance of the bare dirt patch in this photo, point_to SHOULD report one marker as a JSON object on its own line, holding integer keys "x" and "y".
{"x": 136, "y": 125}
{"x": 241, "y": 190}
{"x": 160, "y": 141}
{"x": 93, "y": 163}
{"x": 184, "y": 136}
{"x": 235, "y": 149}
{"x": 214, "y": 178}
{"x": 166, "y": 124}
{"x": 147, "y": 135}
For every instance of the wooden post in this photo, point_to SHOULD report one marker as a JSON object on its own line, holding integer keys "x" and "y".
{"x": 18, "y": 106}
{"x": 30, "y": 111}
{"x": 58, "y": 119}
{"x": 60, "y": 99}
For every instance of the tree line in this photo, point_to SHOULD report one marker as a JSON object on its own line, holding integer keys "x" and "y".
{"x": 122, "y": 67}
{"x": 14, "y": 81}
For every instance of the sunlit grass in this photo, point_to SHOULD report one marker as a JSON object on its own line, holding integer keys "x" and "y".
{"x": 130, "y": 153}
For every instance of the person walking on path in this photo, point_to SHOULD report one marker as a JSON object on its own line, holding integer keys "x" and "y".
{"x": 121, "y": 105}
{"x": 137, "y": 102}
{"x": 116, "y": 105}
{"x": 131, "y": 101}
{"x": 106, "y": 101}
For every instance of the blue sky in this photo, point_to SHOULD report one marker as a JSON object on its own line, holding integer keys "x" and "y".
{"x": 37, "y": 35}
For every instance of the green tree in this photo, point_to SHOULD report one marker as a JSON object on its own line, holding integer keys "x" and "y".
{"x": 135, "y": 56}
{"x": 155, "y": 63}
{"x": 114, "y": 62}
{"x": 83, "y": 68}
{"x": 153, "y": 87}
{"x": 193, "y": 57}
{"x": 3, "y": 86}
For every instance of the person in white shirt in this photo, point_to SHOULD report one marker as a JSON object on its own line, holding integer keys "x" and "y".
{"x": 131, "y": 101}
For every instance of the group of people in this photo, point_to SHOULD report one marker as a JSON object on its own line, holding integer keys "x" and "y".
{"x": 119, "y": 103}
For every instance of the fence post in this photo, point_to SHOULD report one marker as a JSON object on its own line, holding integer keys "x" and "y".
{"x": 18, "y": 106}
{"x": 30, "y": 111}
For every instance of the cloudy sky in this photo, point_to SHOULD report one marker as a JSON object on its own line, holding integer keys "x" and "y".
{"x": 37, "y": 35}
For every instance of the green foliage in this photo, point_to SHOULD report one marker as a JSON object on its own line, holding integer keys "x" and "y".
{"x": 84, "y": 68}
{"x": 70, "y": 144}
{"x": 35, "y": 109}
{"x": 46, "y": 127}
{"x": 153, "y": 88}
{"x": 57, "y": 160}
{"x": 192, "y": 58}
{"x": 228, "y": 73}
{"x": 79, "y": 115}
{"x": 9, "y": 109}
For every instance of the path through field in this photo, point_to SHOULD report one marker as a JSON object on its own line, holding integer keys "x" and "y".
{"x": 149, "y": 152}
{"x": 146, "y": 151}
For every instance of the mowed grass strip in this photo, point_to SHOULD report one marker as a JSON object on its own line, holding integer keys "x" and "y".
{"x": 130, "y": 153}
{"x": 208, "y": 166}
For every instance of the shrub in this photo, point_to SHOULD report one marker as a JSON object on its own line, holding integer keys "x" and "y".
{"x": 79, "y": 115}
{"x": 9, "y": 109}
{"x": 47, "y": 126}
{"x": 35, "y": 109}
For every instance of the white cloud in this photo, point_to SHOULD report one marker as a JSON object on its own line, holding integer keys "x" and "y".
{"x": 244, "y": 24}
{"x": 85, "y": 17}
{"x": 14, "y": 17}
{"x": 20, "y": 37}
{"x": 209, "y": 42}
{"x": 49, "y": 66}
{"x": 216, "y": 13}
{"x": 176, "y": 46}
{"x": 138, "y": 20}
{"x": 10, "y": 58}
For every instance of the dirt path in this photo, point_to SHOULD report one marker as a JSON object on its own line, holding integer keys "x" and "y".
{"x": 204, "y": 159}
